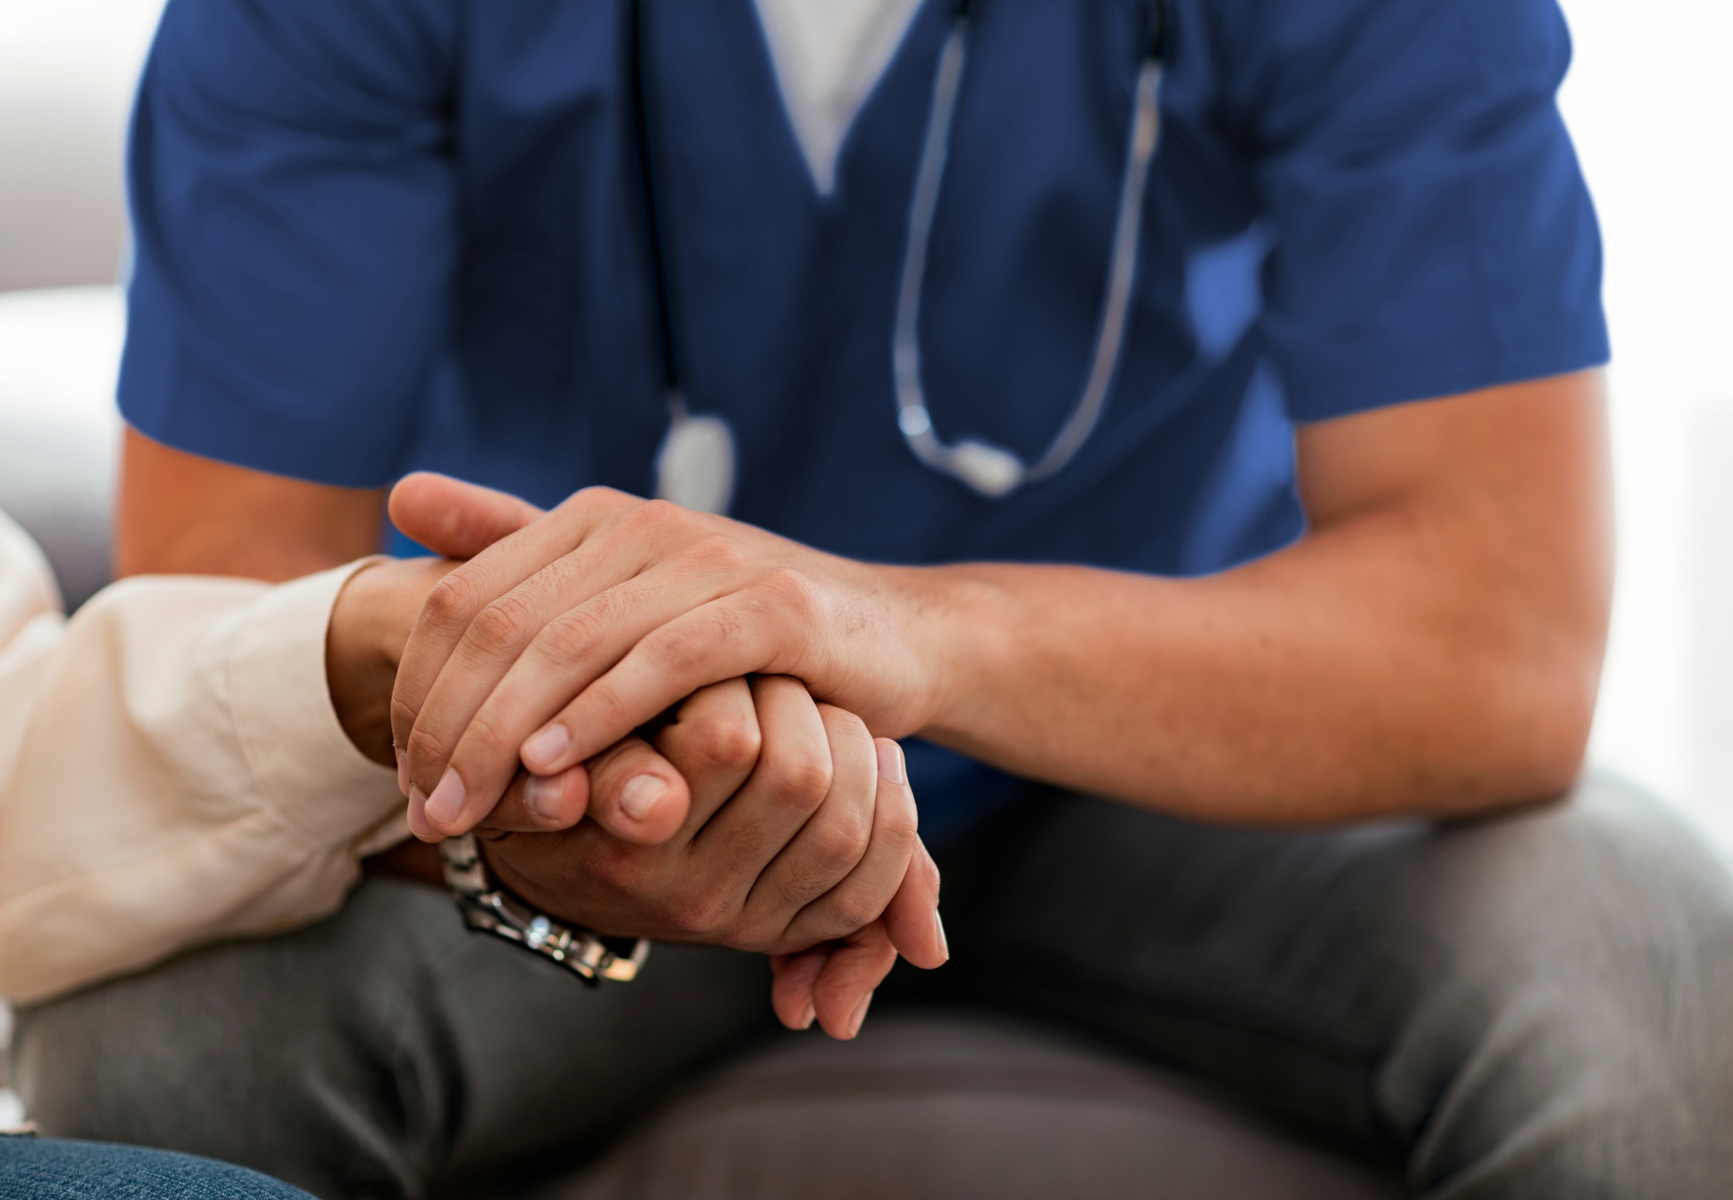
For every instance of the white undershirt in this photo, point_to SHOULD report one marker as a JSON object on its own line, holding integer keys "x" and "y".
{"x": 829, "y": 56}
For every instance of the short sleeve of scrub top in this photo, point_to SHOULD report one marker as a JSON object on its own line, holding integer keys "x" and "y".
{"x": 295, "y": 213}
{"x": 1375, "y": 200}
{"x": 1433, "y": 232}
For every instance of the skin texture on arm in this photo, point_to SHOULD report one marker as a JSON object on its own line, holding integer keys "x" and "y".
{"x": 1431, "y": 646}
{"x": 180, "y": 514}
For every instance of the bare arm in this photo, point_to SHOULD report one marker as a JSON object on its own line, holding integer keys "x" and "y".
{"x": 1432, "y": 645}
{"x": 179, "y": 514}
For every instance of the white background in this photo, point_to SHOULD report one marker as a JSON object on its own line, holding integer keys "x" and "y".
{"x": 1650, "y": 102}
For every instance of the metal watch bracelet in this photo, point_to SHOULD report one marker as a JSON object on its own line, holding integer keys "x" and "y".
{"x": 489, "y": 908}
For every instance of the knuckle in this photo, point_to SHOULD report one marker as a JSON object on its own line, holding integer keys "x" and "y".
{"x": 901, "y": 824}
{"x": 453, "y": 601}
{"x": 852, "y": 910}
{"x": 696, "y": 914}
{"x": 721, "y": 554}
{"x": 426, "y": 746}
{"x": 838, "y": 846}
{"x": 504, "y": 625}
{"x": 613, "y": 865}
{"x": 485, "y": 735}
{"x": 568, "y": 637}
{"x": 402, "y": 718}
{"x": 790, "y": 590}
{"x": 732, "y": 743}
{"x": 800, "y": 780}
{"x": 599, "y": 494}
{"x": 682, "y": 646}
{"x": 652, "y": 515}
{"x": 845, "y": 726}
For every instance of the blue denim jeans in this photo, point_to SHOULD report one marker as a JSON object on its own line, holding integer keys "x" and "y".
{"x": 34, "y": 1169}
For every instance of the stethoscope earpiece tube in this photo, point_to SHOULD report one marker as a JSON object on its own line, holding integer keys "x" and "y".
{"x": 696, "y": 463}
{"x": 994, "y": 471}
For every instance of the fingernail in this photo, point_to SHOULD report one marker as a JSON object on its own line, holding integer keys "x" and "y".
{"x": 854, "y": 1022}
{"x": 640, "y": 795}
{"x": 545, "y": 748}
{"x": 402, "y": 771}
{"x": 808, "y": 1015}
{"x": 446, "y": 803}
{"x": 939, "y": 926}
{"x": 891, "y": 762}
{"x": 418, "y": 816}
{"x": 542, "y": 795}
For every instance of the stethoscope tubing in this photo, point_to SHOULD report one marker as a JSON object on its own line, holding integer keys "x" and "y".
{"x": 992, "y": 470}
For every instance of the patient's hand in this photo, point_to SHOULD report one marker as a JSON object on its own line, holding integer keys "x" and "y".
{"x": 758, "y": 820}
{"x": 364, "y": 642}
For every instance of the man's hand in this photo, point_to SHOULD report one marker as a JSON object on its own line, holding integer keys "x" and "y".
{"x": 378, "y": 606}
{"x": 774, "y": 824}
{"x": 628, "y": 606}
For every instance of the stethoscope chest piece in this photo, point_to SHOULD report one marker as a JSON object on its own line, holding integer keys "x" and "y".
{"x": 695, "y": 466}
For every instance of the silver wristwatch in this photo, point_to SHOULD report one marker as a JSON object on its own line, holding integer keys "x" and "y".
{"x": 488, "y": 907}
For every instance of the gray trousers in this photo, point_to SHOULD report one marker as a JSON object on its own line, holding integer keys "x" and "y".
{"x": 1538, "y": 1005}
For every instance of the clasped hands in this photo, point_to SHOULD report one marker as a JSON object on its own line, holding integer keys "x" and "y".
{"x": 654, "y": 670}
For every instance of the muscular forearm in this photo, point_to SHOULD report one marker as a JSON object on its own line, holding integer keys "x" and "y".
{"x": 1334, "y": 680}
{"x": 1430, "y": 646}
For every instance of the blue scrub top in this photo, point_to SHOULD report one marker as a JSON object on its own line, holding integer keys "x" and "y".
{"x": 375, "y": 236}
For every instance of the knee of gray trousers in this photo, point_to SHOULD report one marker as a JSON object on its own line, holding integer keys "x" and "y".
{"x": 377, "y": 1052}
{"x": 317, "y": 1056}
{"x": 1572, "y": 1024}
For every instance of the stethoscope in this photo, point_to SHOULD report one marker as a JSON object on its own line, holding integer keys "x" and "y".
{"x": 695, "y": 466}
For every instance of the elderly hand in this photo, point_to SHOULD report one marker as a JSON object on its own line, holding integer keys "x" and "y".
{"x": 561, "y": 639}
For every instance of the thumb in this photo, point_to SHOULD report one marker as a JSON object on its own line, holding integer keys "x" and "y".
{"x": 455, "y": 519}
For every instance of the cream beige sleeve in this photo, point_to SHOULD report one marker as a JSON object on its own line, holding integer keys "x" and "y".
{"x": 172, "y": 773}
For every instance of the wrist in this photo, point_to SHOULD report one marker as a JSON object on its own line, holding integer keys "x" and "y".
{"x": 369, "y": 627}
{"x": 954, "y": 627}
{"x": 359, "y": 674}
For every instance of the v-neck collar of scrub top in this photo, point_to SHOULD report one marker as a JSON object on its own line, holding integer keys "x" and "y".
{"x": 829, "y": 55}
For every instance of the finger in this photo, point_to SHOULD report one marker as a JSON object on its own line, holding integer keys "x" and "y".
{"x": 866, "y": 892}
{"x": 636, "y": 794}
{"x": 791, "y": 993}
{"x": 417, "y": 817}
{"x": 741, "y": 633}
{"x": 537, "y": 804}
{"x": 912, "y": 919}
{"x": 524, "y": 657}
{"x": 714, "y": 742}
{"x": 829, "y": 845}
{"x": 453, "y": 518}
{"x": 787, "y": 786}
{"x": 457, "y": 600}
{"x": 852, "y": 971}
